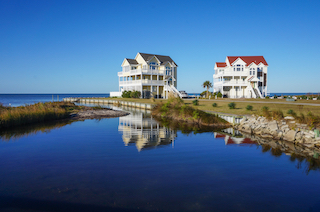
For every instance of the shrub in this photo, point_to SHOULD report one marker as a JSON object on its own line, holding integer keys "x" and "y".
{"x": 214, "y": 105}
{"x": 267, "y": 97}
{"x": 265, "y": 112}
{"x": 249, "y": 107}
{"x": 290, "y": 111}
{"x": 232, "y": 105}
{"x": 135, "y": 94}
{"x": 277, "y": 115}
{"x": 131, "y": 94}
{"x": 195, "y": 102}
{"x": 126, "y": 94}
{"x": 219, "y": 94}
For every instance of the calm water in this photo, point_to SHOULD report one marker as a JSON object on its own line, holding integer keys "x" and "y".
{"x": 133, "y": 163}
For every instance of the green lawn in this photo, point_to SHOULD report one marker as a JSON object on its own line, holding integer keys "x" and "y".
{"x": 241, "y": 104}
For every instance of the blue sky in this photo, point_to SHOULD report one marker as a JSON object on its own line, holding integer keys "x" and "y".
{"x": 78, "y": 46}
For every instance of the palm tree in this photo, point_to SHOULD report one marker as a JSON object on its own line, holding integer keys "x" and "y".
{"x": 207, "y": 84}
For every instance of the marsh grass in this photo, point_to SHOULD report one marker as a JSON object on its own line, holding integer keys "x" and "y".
{"x": 176, "y": 109}
{"x": 39, "y": 112}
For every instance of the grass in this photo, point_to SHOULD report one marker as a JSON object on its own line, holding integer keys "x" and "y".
{"x": 176, "y": 109}
{"x": 36, "y": 113}
{"x": 257, "y": 107}
{"x": 274, "y": 108}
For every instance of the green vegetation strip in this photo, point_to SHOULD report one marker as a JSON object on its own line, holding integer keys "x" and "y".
{"x": 36, "y": 113}
{"x": 176, "y": 109}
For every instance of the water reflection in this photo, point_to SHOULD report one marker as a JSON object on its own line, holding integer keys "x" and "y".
{"x": 141, "y": 130}
{"x": 232, "y": 136}
{"x": 33, "y": 129}
{"x": 304, "y": 158}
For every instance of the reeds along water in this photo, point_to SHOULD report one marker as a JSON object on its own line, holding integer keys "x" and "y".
{"x": 39, "y": 112}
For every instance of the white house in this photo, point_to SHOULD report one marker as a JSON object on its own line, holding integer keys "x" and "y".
{"x": 150, "y": 74}
{"x": 241, "y": 76}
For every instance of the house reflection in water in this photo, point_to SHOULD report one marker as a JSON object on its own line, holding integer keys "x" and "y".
{"x": 144, "y": 132}
{"x": 232, "y": 136}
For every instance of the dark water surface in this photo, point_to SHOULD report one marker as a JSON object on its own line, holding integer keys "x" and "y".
{"x": 133, "y": 163}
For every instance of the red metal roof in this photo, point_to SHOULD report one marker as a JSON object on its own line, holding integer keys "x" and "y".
{"x": 221, "y": 65}
{"x": 248, "y": 59}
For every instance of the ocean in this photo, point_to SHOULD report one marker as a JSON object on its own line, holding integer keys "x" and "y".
{"x": 15, "y": 100}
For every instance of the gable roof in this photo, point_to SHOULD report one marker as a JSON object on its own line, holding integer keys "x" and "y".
{"x": 221, "y": 65}
{"x": 132, "y": 61}
{"x": 161, "y": 58}
{"x": 248, "y": 59}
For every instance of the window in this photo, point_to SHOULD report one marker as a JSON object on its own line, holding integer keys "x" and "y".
{"x": 153, "y": 66}
{"x": 254, "y": 73}
{"x": 250, "y": 72}
{"x": 168, "y": 71}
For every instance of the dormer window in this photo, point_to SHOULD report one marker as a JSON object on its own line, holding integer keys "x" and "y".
{"x": 239, "y": 67}
{"x": 153, "y": 66}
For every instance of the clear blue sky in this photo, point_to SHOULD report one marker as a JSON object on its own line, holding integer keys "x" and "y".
{"x": 78, "y": 46}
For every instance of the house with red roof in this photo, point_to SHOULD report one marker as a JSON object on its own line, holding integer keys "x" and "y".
{"x": 241, "y": 77}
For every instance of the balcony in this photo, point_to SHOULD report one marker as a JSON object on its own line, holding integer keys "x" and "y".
{"x": 231, "y": 83}
{"x": 141, "y": 71}
{"x": 231, "y": 73}
{"x": 141, "y": 82}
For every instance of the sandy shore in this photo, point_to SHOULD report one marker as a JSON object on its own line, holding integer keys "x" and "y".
{"x": 96, "y": 114}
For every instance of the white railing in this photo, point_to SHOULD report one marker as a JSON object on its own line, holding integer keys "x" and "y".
{"x": 232, "y": 82}
{"x": 232, "y": 73}
{"x": 140, "y": 71}
{"x": 173, "y": 89}
{"x": 139, "y": 82}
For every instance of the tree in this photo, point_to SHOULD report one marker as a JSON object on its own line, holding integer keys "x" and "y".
{"x": 208, "y": 85}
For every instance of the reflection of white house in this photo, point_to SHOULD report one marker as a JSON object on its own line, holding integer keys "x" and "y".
{"x": 241, "y": 76}
{"x": 155, "y": 74}
{"x": 144, "y": 132}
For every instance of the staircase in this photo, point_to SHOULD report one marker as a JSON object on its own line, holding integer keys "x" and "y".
{"x": 172, "y": 89}
{"x": 256, "y": 91}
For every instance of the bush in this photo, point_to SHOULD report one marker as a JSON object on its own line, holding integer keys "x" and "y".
{"x": 275, "y": 96}
{"x": 290, "y": 112}
{"x": 219, "y": 94}
{"x": 214, "y": 105}
{"x": 267, "y": 97}
{"x": 232, "y": 105}
{"x": 195, "y": 102}
{"x": 131, "y": 94}
{"x": 277, "y": 115}
{"x": 265, "y": 112}
{"x": 135, "y": 94}
{"x": 249, "y": 107}
{"x": 126, "y": 94}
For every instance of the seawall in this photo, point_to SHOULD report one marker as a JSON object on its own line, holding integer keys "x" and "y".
{"x": 281, "y": 130}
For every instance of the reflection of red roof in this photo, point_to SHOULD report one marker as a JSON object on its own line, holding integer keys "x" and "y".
{"x": 248, "y": 59}
{"x": 221, "y": 65}
{"x": 248, "y": 141}
{"x": 231, "y": 141}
